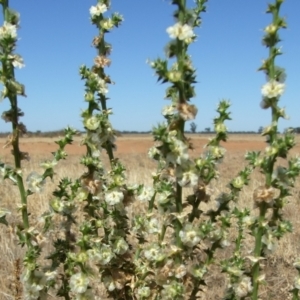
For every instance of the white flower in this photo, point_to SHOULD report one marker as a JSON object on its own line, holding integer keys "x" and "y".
{"x": 235, "y": 271}
{"x": 238, "y": 182}
{"x": 79, "y": 283}
{"x": 269, "y": 240}
{"x": 144, "y": 291}
{"x": 58, "y": 205}
{"x": 189, "y": 236}
{"x": 217, "y": 152}
{"x": 220, "y": 128}
{"x": 82, "y": 194}
{"x": 179, "y": 154}
{"x": 271, "y": 29}
{"x": 272, "y": 89}
{"x": 4, "y": 212}
{"x": 102, "y": 87}
{"x": 248, "y": 221}
{"x": 35, "y": 182}
{"x": 243, "y": 288}
{"x": 17, "y": 61}
{"x": 102, "y": 256}
{"x": 112, "y": 284}
{"x": 163, "y": 197}
{"x": 94, "y": 254}
{"x": 174, "y": 76}
{"x": 153, "y": 151}
{"x": 154, "y": 253}
{"x": 153, "y": 226}
{"x": 50, "y": 275}
{"x": 97, "y": 10}
{"x": 31, "y": 294}
{"x": 189, "y": 179}
{"x": 297, "y": 283}
{"x": 146, "y": 194}
{"x": 120, "y": 246}
{"x": 107, "y": 24}
{"x": 169, "y": 110}
{"x": 48, "y": 164}
{"x": 34, "y": 282}
{"x": 92, "y": 123}
{"x": 180, "y": 271}
{"x": 181, "y": 32}
{"x": 8, "y": 31}
{"x": 114, "y": 197}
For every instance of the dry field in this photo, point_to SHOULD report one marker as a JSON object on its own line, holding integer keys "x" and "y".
{"x": 132, "y": 151}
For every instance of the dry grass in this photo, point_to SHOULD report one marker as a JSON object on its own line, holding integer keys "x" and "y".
{"x": 278, "y": 267}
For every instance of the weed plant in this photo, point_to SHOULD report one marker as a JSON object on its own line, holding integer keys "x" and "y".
{"x": 92, "y": 236}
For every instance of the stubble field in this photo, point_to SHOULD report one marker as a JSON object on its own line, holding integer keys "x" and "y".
{"x": 132, "y": 151}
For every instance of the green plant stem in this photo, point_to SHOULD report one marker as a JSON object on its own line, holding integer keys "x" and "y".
{"x": 108, "y": 148}
{"x": 181, "y": 93}
{"x": 151, "y": 203}
{"x": 269, "y": 171}
{"x": 257, "y": 251}
{"x": 101, "y": 51}
{"x": 15, "y": 142}
{"x": 17, "y": 159}
{"x": 162, "y": 233}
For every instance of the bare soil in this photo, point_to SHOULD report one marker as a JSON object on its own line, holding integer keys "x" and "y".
{"x": 139, "y": 144}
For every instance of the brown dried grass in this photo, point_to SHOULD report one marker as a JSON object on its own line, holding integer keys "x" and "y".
{"x": 278, "y": 267}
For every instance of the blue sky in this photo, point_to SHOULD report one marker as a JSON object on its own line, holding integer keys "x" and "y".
{"x": 55, "y": 39}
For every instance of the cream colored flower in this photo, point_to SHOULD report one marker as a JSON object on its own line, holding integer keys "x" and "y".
{"x": 169, "y": 110}
{"x": 174, "y": 76}
{"x": 79, "y": 283}
{"x": 272, "y": 89}
{"x": 4, "y": 212}
{"x": 107, "y": 24}
{"x": 189, "y": 179}
{"x": 154, "y": 226}
{"x": 181, "y": 32}
{"x": 189, "y": 236}
{"x": 146, "y": 194}
{"x": 17, "y": 61}
{"x": 243, "y": 288}
{"x": 143, "y": 292}
{"x": 92, "y": 123}
{"x": 114, "y": 197}
{"x": 8, "y": 31}
{"x": 180, "y": 271}
{"x": 271, "y": 29}
{"x": 35, "y": 182}
{"x": 297, "y": 283}
{"x": 97, "y": 10}
{"x": 270, "y": 241}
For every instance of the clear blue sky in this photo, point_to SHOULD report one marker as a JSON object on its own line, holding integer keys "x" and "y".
{"x": 55, "y": 39}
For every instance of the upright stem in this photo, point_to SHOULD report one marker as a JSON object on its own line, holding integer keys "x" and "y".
{"x": 101, "y": 51}
{"x": 257, "y": 250}
{"x": 271, "y": 40}
{"x": 9, "y": 74}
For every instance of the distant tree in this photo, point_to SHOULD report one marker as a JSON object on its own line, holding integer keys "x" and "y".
{"x": 297, "y": 129}
{"x": 260, "y": 129}
{"x": 207, "y": 129}
{"x": 193, "y": 127}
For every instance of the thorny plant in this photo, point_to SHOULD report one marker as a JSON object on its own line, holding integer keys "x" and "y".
{"x": 167, "y": 251}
